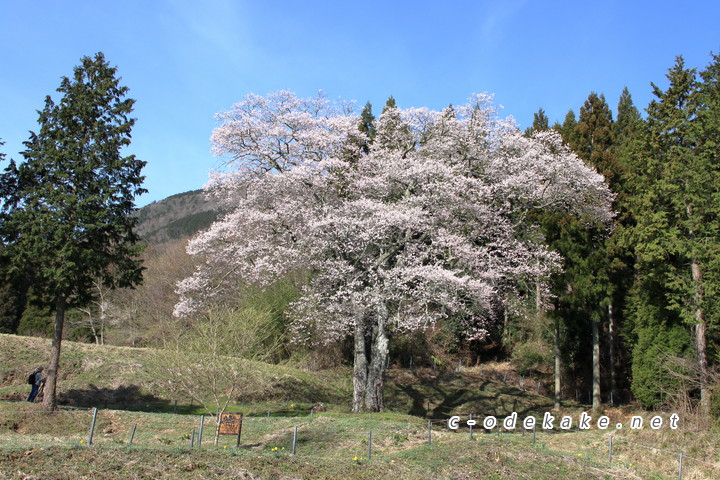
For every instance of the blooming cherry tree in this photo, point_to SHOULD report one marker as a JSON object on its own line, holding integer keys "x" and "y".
{"x": 426, "y": 221}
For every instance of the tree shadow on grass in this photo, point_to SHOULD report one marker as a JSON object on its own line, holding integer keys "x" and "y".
{"x": 462, "y": 394}
{"x": 124, "y": 397}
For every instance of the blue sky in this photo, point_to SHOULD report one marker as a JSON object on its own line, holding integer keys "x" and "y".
{"x": 186, "y": 60}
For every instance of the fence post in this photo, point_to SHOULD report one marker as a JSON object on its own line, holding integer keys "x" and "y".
{"x": 237, "y": 444}
{"x": 533, "y": 434}
{"x": 470, "y": 427}
{"x": 192, "y": 438}
{"x": 680, "y": 469}
{"x": 294, "y": 440}
{"x": 538, "y": 386}
{"x": 429, "y": 432}
{"x": 92, "y": 426}
{"x": 610, "y": 450}
{"x": 369, "y": 444}
{"x": 132, "y": 434}
{"x": 199, "y": 440}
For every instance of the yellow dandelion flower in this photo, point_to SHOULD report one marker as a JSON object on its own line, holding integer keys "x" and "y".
{"x": 355, "y": 459}
{"x": 579, "y": 454}
{"x": 82, "y": 441}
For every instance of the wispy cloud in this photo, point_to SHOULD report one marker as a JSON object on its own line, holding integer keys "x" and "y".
{"x": 497, "y": 17}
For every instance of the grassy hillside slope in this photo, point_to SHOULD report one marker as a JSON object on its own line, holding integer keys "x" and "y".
{"x": 125, "y": 385}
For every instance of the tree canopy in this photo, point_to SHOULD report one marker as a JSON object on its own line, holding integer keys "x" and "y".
{"x": 429, "y": 223}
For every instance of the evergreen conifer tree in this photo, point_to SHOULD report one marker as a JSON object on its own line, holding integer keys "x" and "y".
{"x": 540, "y": 123}
{"x": 567, "y": 129}
{"x": 66, "y": 219}
{"x": 585, "y": 289}
{"x": 367, "y": 126}
{"x": 677, "y": 212}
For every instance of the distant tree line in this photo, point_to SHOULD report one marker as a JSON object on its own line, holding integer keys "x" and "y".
{"x": 630, "y": 306}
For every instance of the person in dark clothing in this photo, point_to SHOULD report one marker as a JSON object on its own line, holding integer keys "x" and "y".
{"x": 39, "y": 381}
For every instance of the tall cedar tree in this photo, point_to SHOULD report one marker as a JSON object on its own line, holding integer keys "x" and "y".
{"x": 567, "y": 129}
{"x": 709, "y": 155}
{"x": 9, "y": 304}
{"x": 596, "y": 144}
{"x": 584, "y": 289}
{"x": 627, "y": 128}
{"x": 540, "y": 123}
{"x": 678, "y": 208}
{"x": 367, "y": 122}
{"x": 66, "y": 213}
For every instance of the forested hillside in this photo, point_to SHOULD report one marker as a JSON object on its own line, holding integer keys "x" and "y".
{"x": 175, "y": 217}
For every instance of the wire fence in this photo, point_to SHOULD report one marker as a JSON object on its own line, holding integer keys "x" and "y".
{"x": 365, "y": 436}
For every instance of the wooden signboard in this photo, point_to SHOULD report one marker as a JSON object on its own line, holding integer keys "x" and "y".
{"x": 231, "y": 423}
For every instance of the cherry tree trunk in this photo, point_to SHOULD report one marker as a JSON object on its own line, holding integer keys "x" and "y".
{"x": 360, "y": 366}
{"x": 374, "y": 398}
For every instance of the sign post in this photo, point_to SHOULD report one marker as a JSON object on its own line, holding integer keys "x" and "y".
{"x": 231, "y": 424}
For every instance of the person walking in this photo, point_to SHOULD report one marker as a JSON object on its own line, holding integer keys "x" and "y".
{"x": 39, "y": 381}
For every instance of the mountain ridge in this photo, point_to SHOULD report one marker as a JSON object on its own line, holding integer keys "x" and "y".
{"x": 177, "y": 216}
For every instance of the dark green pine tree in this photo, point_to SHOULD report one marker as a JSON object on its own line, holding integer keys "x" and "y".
{"x": 66, "y": 218}
{"x": 628, "y": 130}
{"x": 36, "y": 318}
{"x": 540, "y": 123}
{"x": 585, "y": 289}
{"x": 367, "y": 121}
{"x": 11, "y": 300}
{"x": 595, "y": 138}
{"x": 628, "y": 120}
{"x": 367, "y": 126}
{"x": 567, "y": 129}
{"x": 677, "y": 212}
{"x": 708, "y": 159}
{"x": 389, "y": 103}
